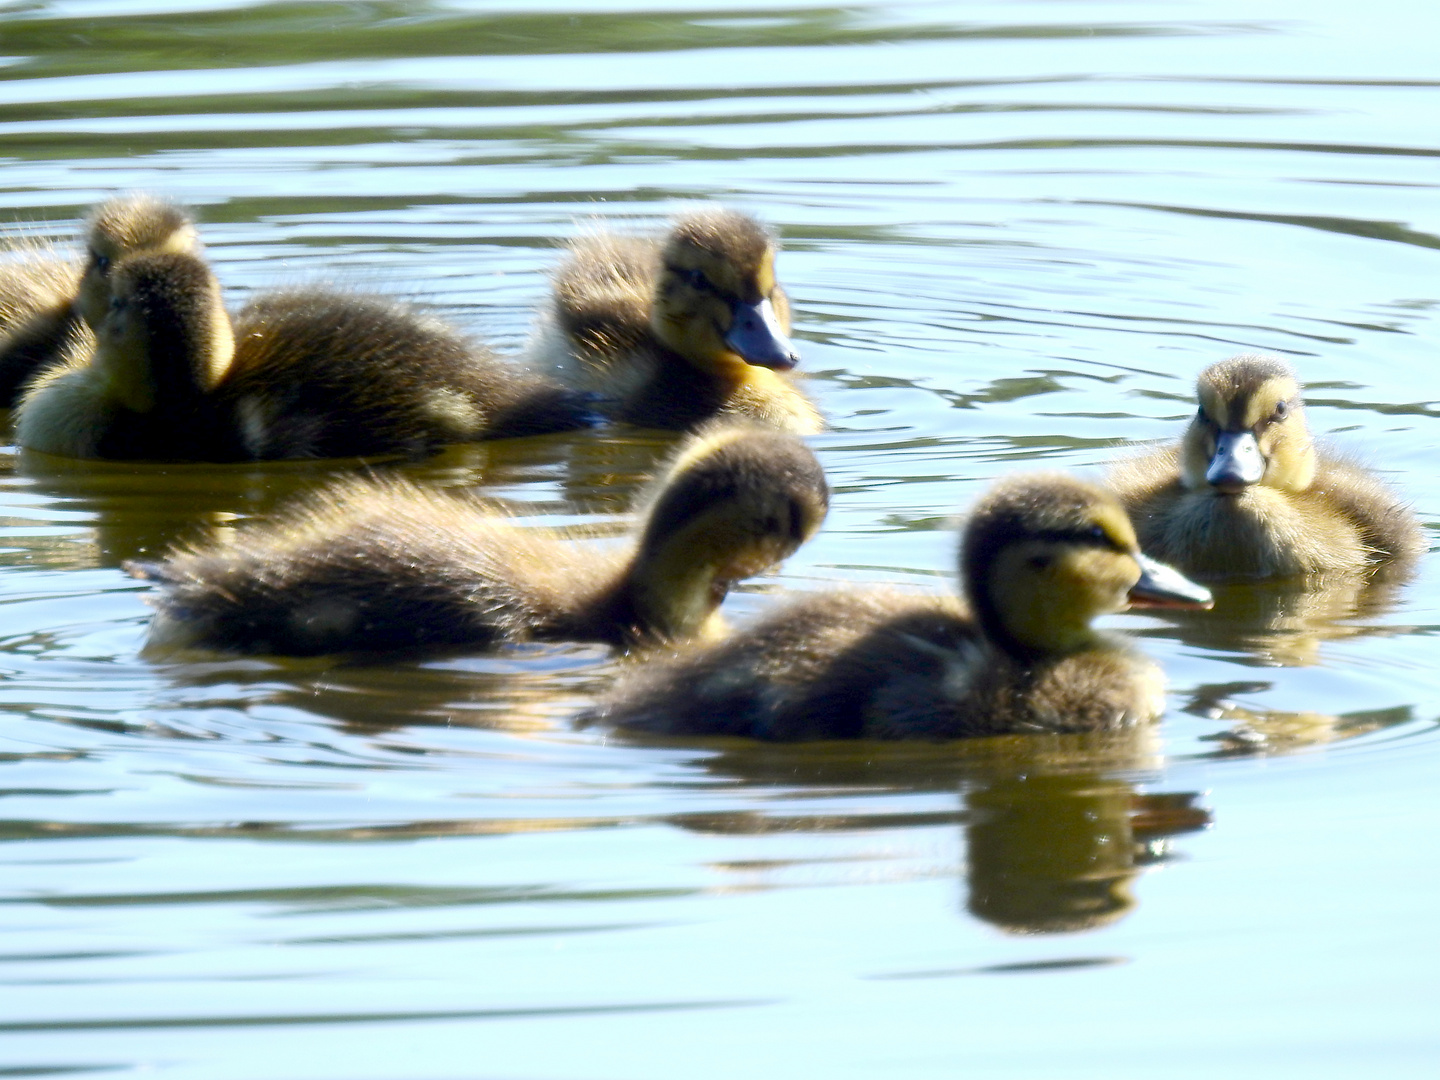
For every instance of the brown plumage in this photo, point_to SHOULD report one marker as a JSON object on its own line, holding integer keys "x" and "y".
{"x": 49, "y": 303}
{"x": 672, "y": 331}
{"x": 305, "y": 373}
{"x": 319, "y": 373}
{"x": 369, "y": 565}
{"x": 1042, "y": 556}
{"x": 1245, "y": 494}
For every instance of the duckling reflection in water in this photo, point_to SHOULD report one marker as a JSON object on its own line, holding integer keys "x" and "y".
{"x": 302, "y": 373}
{"x": 1246, "y": 495}
{"x": 368, "y": 565}
{"x": 1257, "y": 730}
{"x": 1284, "y": 622}
{"x": 1057, "y": 853}
{"x": 1054, "y": 838}
{"x": 1041, "y": 557}
{"x": 48, "y": 300}
{"x": 672, "y": 332}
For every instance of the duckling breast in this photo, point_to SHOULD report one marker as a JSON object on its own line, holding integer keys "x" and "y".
{"x": 1259, "y": 532}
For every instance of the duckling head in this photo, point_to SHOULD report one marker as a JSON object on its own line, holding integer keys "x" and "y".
{"x": 165, "y": 332}
{"x": 123, "y": 226}
{"x": 734, "y": 501}
{"x": 717, "y": 303}
{"x": 1045, "y": 554}
{"x": 1250, "y": 429}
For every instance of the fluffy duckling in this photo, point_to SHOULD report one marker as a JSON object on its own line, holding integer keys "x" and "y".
{"x": 46, "y": 301}
{"x": 369, "y": 565}
{"x": 1041, "y": 557}
{"x": 147, "y": 389}
{"x": 303, "y": 373}
{"x": 673, "y": 331}
{"x": 1246, "y": 495}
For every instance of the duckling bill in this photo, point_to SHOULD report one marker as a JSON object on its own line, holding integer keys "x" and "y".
{"x": 671, "y": 332}
{"x": 370, "y": 565}
{"x": 1041, "y": 557}
{"x": 1247, "y": 495}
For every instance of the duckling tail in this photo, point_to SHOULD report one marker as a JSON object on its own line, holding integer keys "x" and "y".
{"x": 544, "y": 411}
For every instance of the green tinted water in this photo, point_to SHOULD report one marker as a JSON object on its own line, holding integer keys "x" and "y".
{"x": 1013, "y": 232}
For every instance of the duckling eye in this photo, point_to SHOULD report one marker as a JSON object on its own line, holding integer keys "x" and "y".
{"x": 696, "y": 279}
{"x": 1282, "y": 410}
{"x": 102, "y": 262}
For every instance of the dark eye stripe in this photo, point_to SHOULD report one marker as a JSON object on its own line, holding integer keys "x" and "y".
{"x": 1095, "y": 537}
{"x": 695, "y": 278}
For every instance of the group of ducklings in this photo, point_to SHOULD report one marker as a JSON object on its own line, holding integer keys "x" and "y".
{"x": 130, "y": 353}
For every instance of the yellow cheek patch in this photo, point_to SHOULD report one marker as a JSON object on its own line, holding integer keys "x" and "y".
{"x": 1095, "y": 581}
{"x": 765, "y": 274}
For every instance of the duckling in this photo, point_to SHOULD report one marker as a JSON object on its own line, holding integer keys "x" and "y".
{"x": 148, "y": 388}
{"x": 1041, "y": 557}
{"x": 674, "y": 331}
{"x": 303, "y": 373}
{"x": 1246, "y": 495}
{"x": 49, "y": 304}
{"x": 373, "y": 565}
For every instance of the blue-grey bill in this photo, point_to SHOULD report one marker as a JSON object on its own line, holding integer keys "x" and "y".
{"x": 1164, "y": 586}
{"x": 1237, "y": 462}
{"x": 756, "y": 336}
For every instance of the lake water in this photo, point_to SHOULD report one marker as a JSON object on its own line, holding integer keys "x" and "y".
{"x": 1013, "y": 234}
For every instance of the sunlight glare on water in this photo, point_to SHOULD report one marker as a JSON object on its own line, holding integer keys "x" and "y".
{"x": 1013, "y": 233}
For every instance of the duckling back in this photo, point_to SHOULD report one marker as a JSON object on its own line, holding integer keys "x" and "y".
{"x": 374, "y": 565}
{"x": 601, "y": 313}
{"x": 882, "y": 664}
{"x": 320, "y": 373}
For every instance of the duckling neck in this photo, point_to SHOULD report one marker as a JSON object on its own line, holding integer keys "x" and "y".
{"x": 672, "y": 596}
{"x": 172, "y": 370}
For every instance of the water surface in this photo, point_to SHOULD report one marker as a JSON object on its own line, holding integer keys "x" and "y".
{"x": 1013, "y": 234}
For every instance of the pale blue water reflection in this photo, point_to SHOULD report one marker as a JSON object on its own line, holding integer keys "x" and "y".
{"x": 1014, "y": 232}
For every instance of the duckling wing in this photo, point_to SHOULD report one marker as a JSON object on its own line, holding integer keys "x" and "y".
{"x": 1388, "y": 526}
